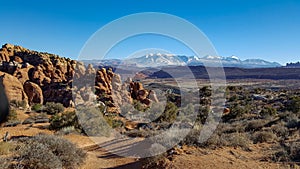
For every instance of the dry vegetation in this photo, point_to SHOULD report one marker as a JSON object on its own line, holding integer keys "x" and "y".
{"x": 258, "y": 116}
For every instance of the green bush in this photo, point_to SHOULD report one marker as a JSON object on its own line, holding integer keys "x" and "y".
{"x": 203, "y": 114}
{"x": 113, "y": 122}
{"x": 235, "y": 112}
{"x": 268, "y": 111}
{"x": 293, "y": 104}
{"x": 170, "y": 113}
{"x": 37, "y": 107}
{"x": 62, "y": 120}
{"x": 54, "y": 108}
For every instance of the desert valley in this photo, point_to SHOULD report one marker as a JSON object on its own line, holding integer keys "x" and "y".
{"x": 130, "y": 117}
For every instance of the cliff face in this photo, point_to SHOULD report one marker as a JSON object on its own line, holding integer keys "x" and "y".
{"x": 39, "y": 77}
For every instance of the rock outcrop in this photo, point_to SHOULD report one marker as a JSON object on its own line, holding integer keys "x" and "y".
{"x": 12, "y": 87}
{"x": 139, "y": 93}
{"x": 39, "y": 77}
{"x": 46, "y": 72}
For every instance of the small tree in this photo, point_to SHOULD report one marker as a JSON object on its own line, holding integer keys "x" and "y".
{"x": 170, "y": 113}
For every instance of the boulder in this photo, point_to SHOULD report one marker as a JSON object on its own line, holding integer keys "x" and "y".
{"x": 12, "y": 87}
{"x": 34, "y": 93}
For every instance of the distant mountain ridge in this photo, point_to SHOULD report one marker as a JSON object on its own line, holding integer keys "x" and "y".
{"x": 161, "y": 60}
{"x": 293, "y": 65}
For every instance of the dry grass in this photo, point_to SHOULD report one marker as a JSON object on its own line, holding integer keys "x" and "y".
{"x": 6, "y": 148}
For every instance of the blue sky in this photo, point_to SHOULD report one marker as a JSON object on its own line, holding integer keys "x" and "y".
{"x": 266, "y": 29}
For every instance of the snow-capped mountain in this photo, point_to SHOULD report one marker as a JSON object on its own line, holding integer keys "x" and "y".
{"x": 160, "y": 60}
{"x": 157, "y": 60}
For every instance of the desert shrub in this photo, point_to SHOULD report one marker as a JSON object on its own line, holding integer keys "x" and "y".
{"x": 192, "y": 138}
{"x": 18, "y": 103}
{"x": 65, "y": 119}
{"x": 214, "y": 141}
{"x": 295, "y": 151}
{"x": 37, "y": 107}
{"x": 233, "y": 98}
{"x": 37, "y": 156}
{"x": 170, "y": 113}
{"x": 268, "y": 111}
{"x": 231, "y": 127}
{"x": 280, "y": 131}
{"x": 235, "y": 112}
{"x": 203, "y": 114}
{"x": 92, "y": 121}
{"x": 255, "y": 125}
{"x": 263, "y": 136}
{"x": 288, "y": 153}
{"x": 292, "y": 121}
{"x": 236, "y": 140}
{"x": 54, "y": 108}
{"x": 205, "y": 91}
{"x": 48, "y": 151}
{"x": 293, "y": 104}
{"x": 280, "y": 155}
{"x": 227, "y": 139}
{"x": 139, "y": 106}
{"x": 114, "y": 123}
{"x": 67, "y": 130}
{"x": 232, "y": 88}
{"x": 258, "y": 90}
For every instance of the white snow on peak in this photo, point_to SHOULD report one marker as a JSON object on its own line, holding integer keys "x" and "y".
{"x": 212, "y": 57}
{"x": 234, "y": 57}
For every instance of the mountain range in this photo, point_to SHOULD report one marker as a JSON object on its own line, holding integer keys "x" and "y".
{"x": 161, "y": 60}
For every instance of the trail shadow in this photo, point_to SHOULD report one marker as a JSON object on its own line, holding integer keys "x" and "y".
{"x": 124, "y": 147}
{"x": 133, "y": 165}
